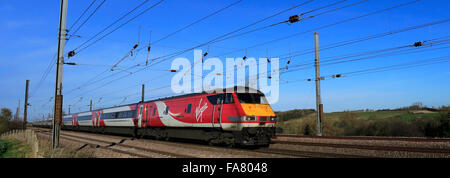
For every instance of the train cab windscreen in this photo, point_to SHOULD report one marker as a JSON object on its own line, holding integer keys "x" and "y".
{"x": 252, "y": 98}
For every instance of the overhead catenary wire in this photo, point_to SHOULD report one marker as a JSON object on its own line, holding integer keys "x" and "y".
{"x": 415, "y": 49}
{"x": 87, "y": 19}
{"x": 197, "y": 21}
{"x": 254, "y": 23}
{"x": 305, "y": 13}
{"x": 325, "y": 26}
{"x": 396, "y": 66}
{"x": 320, "y": 27}
{"x": 53, "y": 59}
{"x": 357, "y": 40}
{"x": 429, "y": 42}
{"x": 417, "y": 63}
{"x": 120, "y": 26}
{"x": 298, "y": 19}
{"x": 227, "y": 34}
{"x": 82, "y": 14}
{"x": 340, "y": 60}
{"x": 177, "y": 31}
{"x": 83, "y": 46}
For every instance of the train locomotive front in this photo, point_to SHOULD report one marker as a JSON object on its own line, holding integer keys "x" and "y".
{"x": 255, "y": 123}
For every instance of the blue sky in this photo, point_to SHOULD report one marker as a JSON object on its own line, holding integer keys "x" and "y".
{"x": 28, "y": 35}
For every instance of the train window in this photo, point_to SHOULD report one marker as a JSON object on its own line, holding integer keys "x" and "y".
{"x": 154, "y": 111}
{"x": 216, "y": 99}
{"x": 67, "y": 118}
{"x": 188, "y": 109}
{"x": 253, "y": 98}
{"x": 228, "y": 98}
{"x": 166, "y": 112}
{"x": 111, "y": 115}
{"x": 105, "y": 115}
{"x": 125, "y": 114}
{"x": 84, "y": 118}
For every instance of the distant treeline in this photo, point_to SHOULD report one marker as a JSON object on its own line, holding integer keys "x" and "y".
{"x": 299, "y": 113}
{"x": 293, "y": 114}
{"x": 351, "y": 124}
{"x": 411, "y": 121}
{"x": 6, "y": 122}
{"x": 418, "y": 106}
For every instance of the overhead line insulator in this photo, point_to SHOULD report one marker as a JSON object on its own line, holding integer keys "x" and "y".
{"x": 417, "y": 44}
{"x": 70, "y": 63}
{"x": 135, "y": 46}
{"x": 71, "y": 54}
{"x": 293, "y": 19}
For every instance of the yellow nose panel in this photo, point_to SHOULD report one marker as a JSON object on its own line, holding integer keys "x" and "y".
{"x": 257, "y": 109}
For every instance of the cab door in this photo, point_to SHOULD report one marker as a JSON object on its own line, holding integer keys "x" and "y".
{"x": 140, "y": 115}
{"x": 147, "y": 115}
{"x": 217, "y": 102}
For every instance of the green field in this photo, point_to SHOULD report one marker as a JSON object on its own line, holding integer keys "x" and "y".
{"x": 14, "y": 149}
{"x": 375, "y": 123}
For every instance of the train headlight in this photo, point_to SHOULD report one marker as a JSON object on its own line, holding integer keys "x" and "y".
{"x": 273, "y": 118}
{"x": 250, "y": 118}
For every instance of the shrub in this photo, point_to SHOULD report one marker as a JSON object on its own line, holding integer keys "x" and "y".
{"x": 307, "y": 130}
{"x": 3, "y": 147}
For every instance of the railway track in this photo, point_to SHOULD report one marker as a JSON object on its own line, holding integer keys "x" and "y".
{"x": 301, "y": 149}
{"x": 406, "y": 139}
{"x": 262, "y": 152}
{"x": 368, "y": 147}
{"x": 306, "y": 154}
{"x": 114, "y": 146}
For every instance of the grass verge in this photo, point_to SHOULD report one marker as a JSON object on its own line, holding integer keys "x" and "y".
{"x": 10, "y": 148}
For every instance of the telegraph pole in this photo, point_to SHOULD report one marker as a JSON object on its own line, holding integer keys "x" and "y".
{"x": 57, "y": 115}
{"x": 319, "y": 105}
{"x": 143, "y": 92}
{"x": 26, "y": 106}
{"x": 16, "y": 117}
{"x": 90, "y": 106}
{"x": 69, "y": 109}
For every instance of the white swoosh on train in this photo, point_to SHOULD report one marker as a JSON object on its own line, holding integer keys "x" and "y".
{"x": 168, "y": 120}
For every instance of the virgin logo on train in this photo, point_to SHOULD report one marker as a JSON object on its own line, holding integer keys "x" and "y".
{"x": 199, "y": 111}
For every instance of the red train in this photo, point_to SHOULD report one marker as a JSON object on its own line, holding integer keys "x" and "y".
{"x": 227, "y": 118}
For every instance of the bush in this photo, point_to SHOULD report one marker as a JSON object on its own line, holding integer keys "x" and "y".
{"x": 439, "y": 127}
{"x": 307, "y": 130}
{"x": 3, "y": 147}
{"x": 4, "y": 125}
